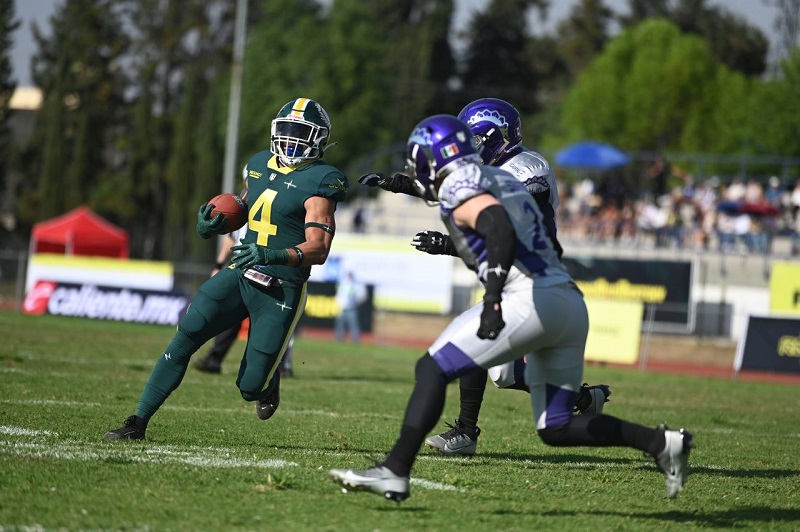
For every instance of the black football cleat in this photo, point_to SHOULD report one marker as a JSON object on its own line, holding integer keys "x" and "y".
{"x": 133, "y": 429}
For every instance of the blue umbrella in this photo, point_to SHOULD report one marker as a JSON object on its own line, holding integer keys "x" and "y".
{"x": 592, "y": 155}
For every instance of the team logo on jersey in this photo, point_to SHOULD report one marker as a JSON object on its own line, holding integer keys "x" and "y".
{"x": 253, "y": 174}
{"x": 451, "y": 150}
{"x": 339, "y": 185}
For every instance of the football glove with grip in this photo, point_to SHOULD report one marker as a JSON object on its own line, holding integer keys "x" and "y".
{"x": 247, "y": 255}
{"x": 491, "y": 320}
{"x": 434, "y": 243}
{"x": 207, "y": 226}
{"x": 397, "y": 183}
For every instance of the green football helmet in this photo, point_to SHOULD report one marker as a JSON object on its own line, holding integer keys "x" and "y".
{"x": 300, "y": 132}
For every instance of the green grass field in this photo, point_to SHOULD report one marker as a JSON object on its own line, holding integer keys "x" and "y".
{"x": 210, "y": 464}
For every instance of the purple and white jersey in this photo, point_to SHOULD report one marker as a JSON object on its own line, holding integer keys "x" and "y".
{"x": 533, "y": 171}
{"x": 536, "y": 256}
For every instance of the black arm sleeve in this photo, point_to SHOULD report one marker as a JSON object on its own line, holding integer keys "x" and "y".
{"x": 496, "y": 228}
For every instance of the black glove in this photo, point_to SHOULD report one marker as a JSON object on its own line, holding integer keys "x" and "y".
{"x": 434, "y": 243}
{"x": 491, "y": 320}
{"x": 397, "y": 183}
{"x": 207, "y": 226}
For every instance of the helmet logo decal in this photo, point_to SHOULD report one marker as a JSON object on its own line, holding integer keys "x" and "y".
{"x": 451, "y": 150}
{"x": 299, "y": 107}
{"x": 488, "y": 115}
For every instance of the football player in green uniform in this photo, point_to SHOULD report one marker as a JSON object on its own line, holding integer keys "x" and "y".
{"x": 292, "y": 196}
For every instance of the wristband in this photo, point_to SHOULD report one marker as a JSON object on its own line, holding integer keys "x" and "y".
{"x": 299, "y": 255}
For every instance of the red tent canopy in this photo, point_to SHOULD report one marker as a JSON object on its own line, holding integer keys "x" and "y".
{"x": 80, "y": 232}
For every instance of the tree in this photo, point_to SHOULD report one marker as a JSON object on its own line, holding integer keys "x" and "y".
{"x": 77, "y": 69}
{"x": 283, "y": 56}
{"x": 583, "y": 34}
{"x": 736, "y": 43}
{"x": 180, "y": 50}
{"x": 7, "y": 86}
{"x": 643, "y": 89}
{"x": 495, "y": 61}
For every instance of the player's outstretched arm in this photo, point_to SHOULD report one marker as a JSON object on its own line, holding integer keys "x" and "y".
{"x": 434, "y": 243}
{"x": 397, "y": 183}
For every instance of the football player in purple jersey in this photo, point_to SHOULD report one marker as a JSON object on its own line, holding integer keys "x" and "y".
{"x": 531, "y": 306}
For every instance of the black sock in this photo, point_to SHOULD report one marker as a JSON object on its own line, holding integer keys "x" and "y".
{"x": 423, "y": 411}
{"x": 471, "y": 388}
{"x": 601, "y": 430}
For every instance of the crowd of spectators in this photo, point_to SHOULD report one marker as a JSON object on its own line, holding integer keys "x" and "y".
{"x": 735, "y": 215}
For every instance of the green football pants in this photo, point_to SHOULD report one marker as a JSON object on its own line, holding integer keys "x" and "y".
{"x": 221, "y": 302}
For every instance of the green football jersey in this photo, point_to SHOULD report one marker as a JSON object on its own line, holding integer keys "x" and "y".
{"x": 276, "y": 199}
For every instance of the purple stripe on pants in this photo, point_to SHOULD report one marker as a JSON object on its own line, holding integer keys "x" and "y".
{"x": 453, "y": 361}
{"x": 559, "y": 405}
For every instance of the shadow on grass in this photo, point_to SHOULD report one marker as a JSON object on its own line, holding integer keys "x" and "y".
{"x": 732, "y": 518}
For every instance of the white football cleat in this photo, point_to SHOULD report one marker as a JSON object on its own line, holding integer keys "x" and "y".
{"x": 376, "y": 479}
{"x": 673, "y": 461}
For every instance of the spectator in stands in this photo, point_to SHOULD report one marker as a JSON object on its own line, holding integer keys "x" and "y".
{"x": 657, "y": 175}
{"x": 774, "y": 193}
{"x": 735, "y": 191}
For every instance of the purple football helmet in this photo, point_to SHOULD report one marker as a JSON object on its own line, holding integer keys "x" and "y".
{"x": 434, "y": 143}
{"x": 496, "y": 125}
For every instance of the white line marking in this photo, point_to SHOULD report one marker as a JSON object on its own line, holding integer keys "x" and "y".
{"x": 19, "y": 431}
{"x": 431, "y": 485}
{"x": 239, "y": 409}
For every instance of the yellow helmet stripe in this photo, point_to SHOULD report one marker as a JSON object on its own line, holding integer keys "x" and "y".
{"x": 299, "y": 106}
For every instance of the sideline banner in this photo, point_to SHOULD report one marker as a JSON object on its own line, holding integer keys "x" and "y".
{"x": 105, "y": 303}
{"x": 769, "y": 344}
{"x": 665, "y": 284}
{"x": 614, "y": 330}
{"x": 122, "y": 273}
{"x": 321, "y": 308}
{"x": 784, "y": 288}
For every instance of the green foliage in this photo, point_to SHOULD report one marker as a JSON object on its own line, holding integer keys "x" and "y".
{"x": 774, "y": 111}
{"x": 136, "y": 92}
{"x": 642, "y": 90}
{"x": 210, "y": 464}
{"x": 82, "y": 91}
{"x": 281, "y": 63}
{"x": 7, "y": 85}
{"x": 495, "y": 60}
{"x": 732, "y": 40}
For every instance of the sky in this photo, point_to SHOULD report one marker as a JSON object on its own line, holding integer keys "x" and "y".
{"x": 760, "y": 13}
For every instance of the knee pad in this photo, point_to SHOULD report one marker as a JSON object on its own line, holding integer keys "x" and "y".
{"x": 553, "y": 435}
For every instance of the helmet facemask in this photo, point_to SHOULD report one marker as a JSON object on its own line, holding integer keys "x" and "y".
{"x": 297, "y": 141}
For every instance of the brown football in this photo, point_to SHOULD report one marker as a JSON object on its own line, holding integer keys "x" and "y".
{"x": 233, "y": 207}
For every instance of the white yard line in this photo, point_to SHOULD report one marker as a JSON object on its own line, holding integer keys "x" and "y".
{"x": 44, "y": 444}
{"x": 243, "y": 408}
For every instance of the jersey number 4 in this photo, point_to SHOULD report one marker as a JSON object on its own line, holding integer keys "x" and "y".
{"x": 259, "y": 217}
